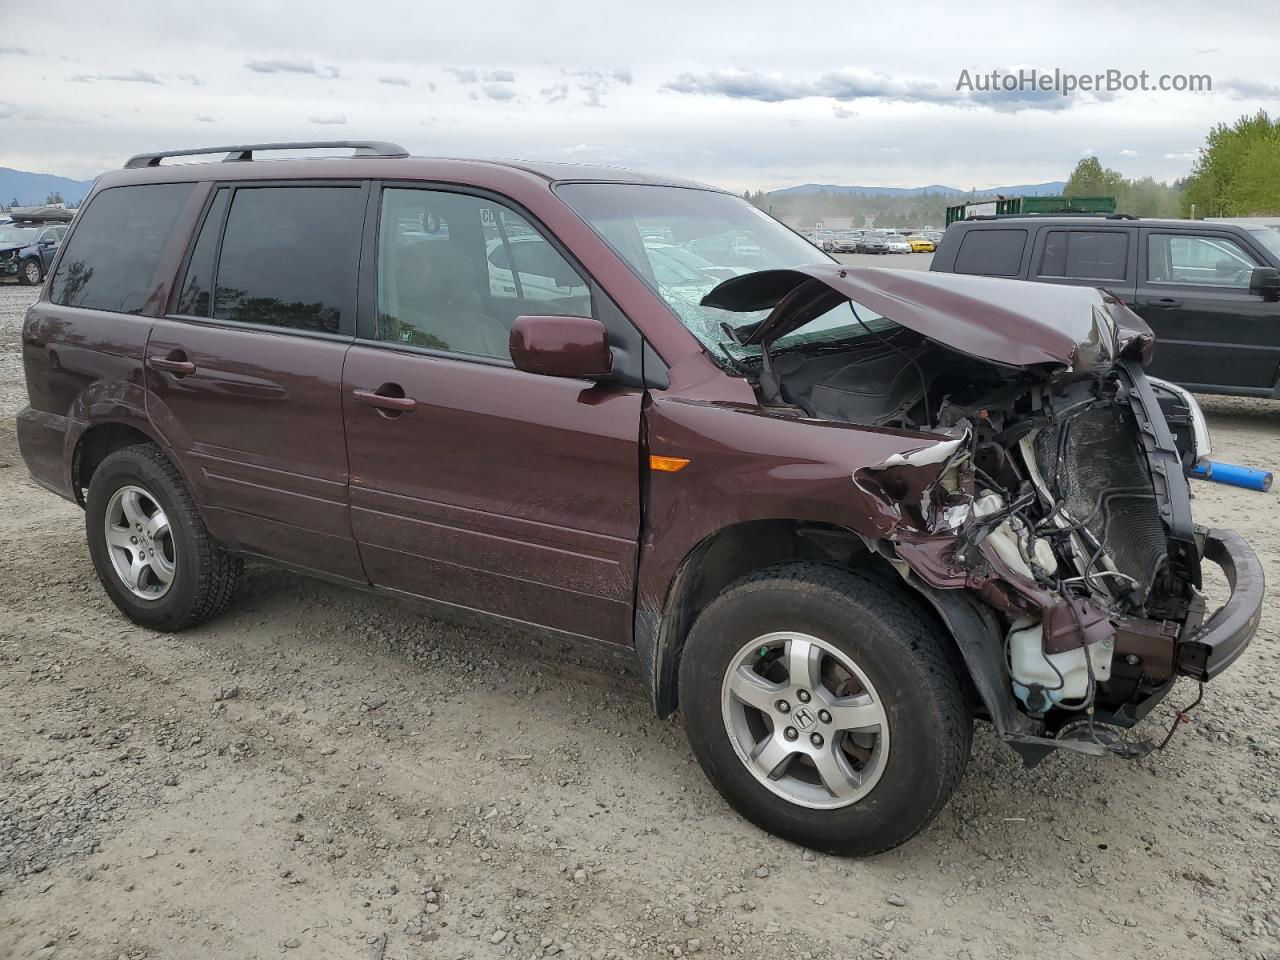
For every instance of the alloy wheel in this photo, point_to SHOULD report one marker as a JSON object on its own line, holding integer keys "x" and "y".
{"x": 805, "y": 720}
{"x": 140, "y": 542}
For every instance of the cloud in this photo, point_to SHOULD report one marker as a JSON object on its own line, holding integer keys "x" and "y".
{"x": 498, "y": 91}
{"x": 1126, "y": 152}
{"x": 741, "y": 86}
{"x": 394, "y": 81}
{"x": 292, "y": 66}
{"x": 499, "y": 76}
{"x": 1250, "y": 90}
{"x": 204, "y": 118}
{"x": 192, "y": 79}
{"x": 7, "y": 111}
{"x": 334, "y": 120}
{"x": 555, "y": 93}
{"x": 1182, "y": 155}
{"x": 15, "y": 52}
{"x": 463, "y": 75}
{"x": 852, "y": 85}
{"x": 843, "y": 113}
{"x": 595, "y": 83}
{"x": 1088, "y": 152}
{"x": 137, "y": 76}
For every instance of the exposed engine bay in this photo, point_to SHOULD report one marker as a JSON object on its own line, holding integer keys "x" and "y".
{"x": 1045, "y": 495}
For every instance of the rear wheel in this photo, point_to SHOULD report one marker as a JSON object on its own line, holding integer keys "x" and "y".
{"x": 825, "y": 707}
{"x": 30, "y": 273}
{"x": 149, "y": 547}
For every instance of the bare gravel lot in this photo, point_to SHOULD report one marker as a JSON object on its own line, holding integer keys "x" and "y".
{"x": 326, "y": 774}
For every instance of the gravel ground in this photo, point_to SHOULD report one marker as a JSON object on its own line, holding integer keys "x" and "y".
{"x": 329, "y": 774}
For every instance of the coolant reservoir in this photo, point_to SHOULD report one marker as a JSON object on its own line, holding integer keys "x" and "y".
{"x": 1029, "y": 664}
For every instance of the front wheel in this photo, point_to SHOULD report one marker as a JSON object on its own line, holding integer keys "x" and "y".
{"x": 149, "y": 547}
{"x": 30, "y": 274}
{"x": 825, "y": 707}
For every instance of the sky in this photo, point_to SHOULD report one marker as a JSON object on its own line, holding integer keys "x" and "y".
{"x": 739, "y": 94}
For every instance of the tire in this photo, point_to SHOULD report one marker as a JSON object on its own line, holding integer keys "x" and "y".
{"x": 907, "y": 763}
{"x": 139, "y": 483}
{"x": 30, "y": 273}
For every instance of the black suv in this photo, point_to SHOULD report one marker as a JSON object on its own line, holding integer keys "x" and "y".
{"x": 1210, "y": 291}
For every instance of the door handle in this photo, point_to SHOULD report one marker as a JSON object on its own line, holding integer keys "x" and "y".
{"x": 1165, "y": 302}
{"x": 385, "y": 398}
{"x": 176, "y": 363}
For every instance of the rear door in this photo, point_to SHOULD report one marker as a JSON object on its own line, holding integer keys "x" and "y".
{"x": 1092, "y": 256}
{"x": 474, "y": 483}
{"x": 1212, "y": 334}
{"x": 244, "y": 374}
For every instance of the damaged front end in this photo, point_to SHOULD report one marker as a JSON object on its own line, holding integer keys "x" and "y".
{"x": 1054, "y": 500}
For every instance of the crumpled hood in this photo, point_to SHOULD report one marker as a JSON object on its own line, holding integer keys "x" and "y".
{"x": 1012, "y": 322}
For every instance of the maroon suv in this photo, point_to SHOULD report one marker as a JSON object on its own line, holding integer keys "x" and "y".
{"x": 836, "y": 512}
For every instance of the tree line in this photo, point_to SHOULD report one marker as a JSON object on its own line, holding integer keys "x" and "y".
{"x": 1236, "y": 174}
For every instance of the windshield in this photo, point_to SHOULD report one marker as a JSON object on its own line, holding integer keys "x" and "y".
{"x": 683, "y": 242}
{"x": 1269, "y": 237}
{"x": 11, "y": 233}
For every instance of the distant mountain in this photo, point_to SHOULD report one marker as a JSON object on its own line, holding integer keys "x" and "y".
{"x": 31, "y": 189}
{"x": 1051, "y": 188}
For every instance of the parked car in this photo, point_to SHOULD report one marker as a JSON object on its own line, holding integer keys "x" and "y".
{"x": 898, "y": 244}
{"x": 874, "y": 243}
{"x": 1209, "y": 291}
{"x": 835, "y": 513}
{"x": 849, "y": 243}
{"x": 921, "y": 244}
{"x": 27, "y": 248}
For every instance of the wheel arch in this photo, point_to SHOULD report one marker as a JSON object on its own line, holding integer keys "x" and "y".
{"x": 101, "y": 438}
{"x": 742, "y": 548}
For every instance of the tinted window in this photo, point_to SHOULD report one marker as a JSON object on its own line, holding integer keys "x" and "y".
{"x": 992, "y": 253}
{"x": 445, "y": 277}
{"x": 1189, "y": 259}
{"x": 1085, "y": 254}
{"x": 194, "y": 299}
{"x": 289, "y": 256}
{"x": 111, "y": 259}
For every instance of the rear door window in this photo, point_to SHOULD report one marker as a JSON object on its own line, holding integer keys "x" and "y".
{"x": 288, "y": 258}
{"x": 111, "y": 259}
{"x": 1085, "y": 254}
{"x": 991, "y": 253}
{"x": 197, "y": 285}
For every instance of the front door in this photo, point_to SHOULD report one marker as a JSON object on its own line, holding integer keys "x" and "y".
{"x": 473, "y": 483}
{"x": 244, "y": 376}
{"x": 1211, "y": 332}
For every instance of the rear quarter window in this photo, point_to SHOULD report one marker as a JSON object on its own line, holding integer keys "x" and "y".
{"x": 991, "y": 253}
{"x": 111, "y": 259}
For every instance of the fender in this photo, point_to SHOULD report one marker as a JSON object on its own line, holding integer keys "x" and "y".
{"x": 746, "y": 465}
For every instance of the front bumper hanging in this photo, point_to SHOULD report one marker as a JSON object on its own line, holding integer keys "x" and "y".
{"x": 1216, "y": 644}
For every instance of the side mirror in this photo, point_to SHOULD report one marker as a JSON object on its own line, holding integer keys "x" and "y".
{"x": 1266, "y": 282}
{"x": 561, "y": 347}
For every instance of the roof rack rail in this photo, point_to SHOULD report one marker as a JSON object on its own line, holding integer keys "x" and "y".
{"x": 362, "y": 148}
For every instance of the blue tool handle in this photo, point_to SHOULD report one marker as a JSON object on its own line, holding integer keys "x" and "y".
{"x": 1233, "y": 475}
